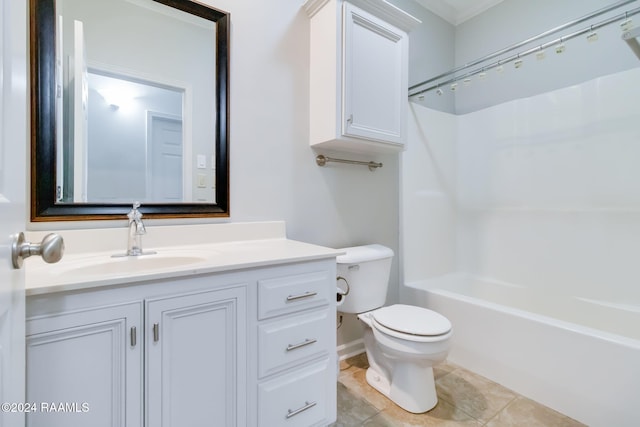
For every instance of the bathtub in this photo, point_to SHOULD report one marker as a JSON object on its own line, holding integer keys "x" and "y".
{"x": 578, "y": 356}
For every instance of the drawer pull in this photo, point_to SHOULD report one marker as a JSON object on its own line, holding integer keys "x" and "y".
{"x": 301, "y": 344}
{"x": 307, "y": 405}
{"x": 301, "y": 296}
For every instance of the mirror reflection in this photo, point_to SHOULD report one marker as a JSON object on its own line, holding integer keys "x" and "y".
{"x": 136, "y": 115}
{"x": 141, "y": 120}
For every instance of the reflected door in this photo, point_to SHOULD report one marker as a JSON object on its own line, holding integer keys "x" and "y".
{"x": 166, "y": 159}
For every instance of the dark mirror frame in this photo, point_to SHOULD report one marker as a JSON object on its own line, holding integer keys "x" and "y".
{"x": 44, "y": 206}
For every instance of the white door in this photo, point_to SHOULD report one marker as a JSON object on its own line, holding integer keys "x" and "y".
{"x": 165, "y": 171}
{"x": 80, "y": 114}
{"x": 13, "y": 156}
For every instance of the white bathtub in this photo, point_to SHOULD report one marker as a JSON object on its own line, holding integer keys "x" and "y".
{"x": 580, "y": 357}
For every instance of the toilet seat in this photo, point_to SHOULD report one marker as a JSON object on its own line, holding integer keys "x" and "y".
{"x": 411, "y": 323}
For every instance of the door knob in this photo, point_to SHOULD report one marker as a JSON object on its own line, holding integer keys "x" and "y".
{"x": 50, "y": 249}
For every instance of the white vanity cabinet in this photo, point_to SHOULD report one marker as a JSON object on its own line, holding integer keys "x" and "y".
{"x": 193, "y": 355}
{"x": 358, "y": 75}
{"x": 246, "y": 347}
{"x": 297, "y": 348}
{"x": 181, "y": 363}
{"x": 88, "y": 360}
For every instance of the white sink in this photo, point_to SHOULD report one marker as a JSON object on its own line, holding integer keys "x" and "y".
{"x": 132, "y": 264}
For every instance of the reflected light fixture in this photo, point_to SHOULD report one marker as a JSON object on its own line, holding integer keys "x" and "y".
{"x": 116, "y": 97}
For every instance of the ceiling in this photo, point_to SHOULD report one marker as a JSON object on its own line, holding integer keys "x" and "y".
{"x": 458, "y": 11}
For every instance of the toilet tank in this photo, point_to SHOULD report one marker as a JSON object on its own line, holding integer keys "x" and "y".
{"x": 366, "y": 270}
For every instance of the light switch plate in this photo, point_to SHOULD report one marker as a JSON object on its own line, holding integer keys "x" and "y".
{"x": 201, "y": 161}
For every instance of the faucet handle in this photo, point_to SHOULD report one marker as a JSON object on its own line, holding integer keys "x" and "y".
{"x": 134, "y": 214}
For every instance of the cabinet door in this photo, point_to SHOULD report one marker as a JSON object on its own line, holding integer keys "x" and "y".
{"x": 375, "y": 77}
{"x": 196, "y": 361}
{"x": 84, "y": 368}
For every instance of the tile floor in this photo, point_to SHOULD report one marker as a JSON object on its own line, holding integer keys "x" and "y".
{"x": 464, "y": 399}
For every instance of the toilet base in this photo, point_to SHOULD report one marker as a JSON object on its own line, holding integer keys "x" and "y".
{"x": 379, "y": 382}
{"x": 415, "y": 395}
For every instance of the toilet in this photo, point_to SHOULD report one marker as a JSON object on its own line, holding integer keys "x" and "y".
{"x": 402, "y": 342}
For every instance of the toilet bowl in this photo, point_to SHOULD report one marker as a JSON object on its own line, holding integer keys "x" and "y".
{"x": 401, "y": 358}
{"x": 402, "y": 342}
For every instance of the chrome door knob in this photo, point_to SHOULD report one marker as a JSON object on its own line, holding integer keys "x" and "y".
{"x": 50, "y": 249}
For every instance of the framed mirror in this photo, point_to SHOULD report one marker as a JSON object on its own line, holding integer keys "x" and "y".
{"x": 129, "y": 102}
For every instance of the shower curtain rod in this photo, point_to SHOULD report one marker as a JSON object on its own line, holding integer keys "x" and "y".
{"x": 526, "y": 42}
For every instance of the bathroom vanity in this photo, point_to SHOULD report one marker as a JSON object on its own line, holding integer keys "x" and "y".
{"x": 235, "y": 332}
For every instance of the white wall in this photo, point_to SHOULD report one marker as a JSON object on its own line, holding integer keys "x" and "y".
{"x": 513, "y": 21}
{"x": 428, "y": 208}
{"x": 549, "y": 190}
{"x": 432, "y": 47}
{"x": 546, "y": 186}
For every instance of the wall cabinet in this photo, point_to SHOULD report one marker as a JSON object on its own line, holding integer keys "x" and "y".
{"x": 358, "y": 75}
{"x": 252, "y": 347}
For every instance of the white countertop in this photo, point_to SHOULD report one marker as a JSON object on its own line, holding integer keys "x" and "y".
{"x": 84, "y": 267}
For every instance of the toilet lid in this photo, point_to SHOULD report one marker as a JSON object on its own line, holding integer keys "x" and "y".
{"x": 412, "y": 320}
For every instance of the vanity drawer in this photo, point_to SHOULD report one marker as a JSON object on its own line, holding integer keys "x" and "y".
{"x": 288, "y": 294}
{"x": 297, "y": 399}
{"x": 294, "y": 339}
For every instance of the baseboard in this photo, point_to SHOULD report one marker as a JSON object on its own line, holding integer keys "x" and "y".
{"x": 350, "y": 349}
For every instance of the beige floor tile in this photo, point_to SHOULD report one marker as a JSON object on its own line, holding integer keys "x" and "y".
{"x": 443, "y": 415}
{"x": 525, "y": 412}
{"x": 354, "y": 363}
{"x": 381, "y": 420}
{"x": 352, "y": 409}
{"x": 465, "y": 399}
{"x": 477, "y": 396}
{"x": 356, "y": 381}
{"x": 442, "y": 369}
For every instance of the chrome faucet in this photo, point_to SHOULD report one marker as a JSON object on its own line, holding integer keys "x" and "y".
{"x": 136, "y": 231}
